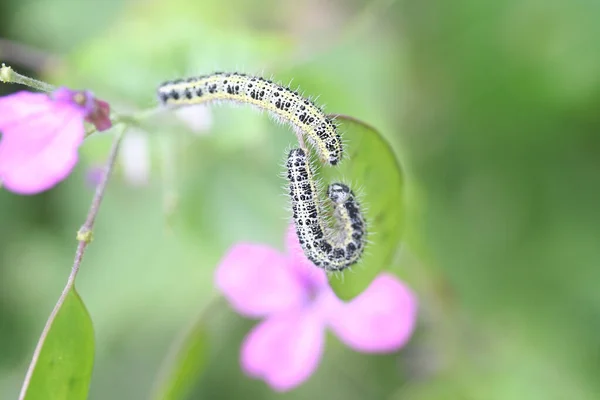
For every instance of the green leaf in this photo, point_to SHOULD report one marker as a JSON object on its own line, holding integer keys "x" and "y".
{"x": 371, "y": 170}
{"x": 63, "y": 369}
{"x": 184, "y": 365}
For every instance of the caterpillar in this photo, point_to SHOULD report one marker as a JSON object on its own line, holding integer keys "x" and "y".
{"x": 306, "y": 118}
{"x": 330, "y": 249}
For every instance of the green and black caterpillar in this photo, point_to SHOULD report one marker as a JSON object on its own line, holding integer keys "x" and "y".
{"x": 330, "y": 248}
{"x": 281, "y": 102}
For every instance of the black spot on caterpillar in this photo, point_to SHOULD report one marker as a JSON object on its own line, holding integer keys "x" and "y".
{"x": 288, "y": 106}
{"x": 330, "y": 249}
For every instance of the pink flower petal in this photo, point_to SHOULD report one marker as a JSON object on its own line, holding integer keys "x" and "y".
{"x": 257, "y": 280}
{"x": 23, "y": 105}
{"x": 312, "y": 275}
{"x": 285, "y": 349}
{"x": 41, "y": 134}
{"x": 39, "y": 151}
{"x": 379, "y": 320}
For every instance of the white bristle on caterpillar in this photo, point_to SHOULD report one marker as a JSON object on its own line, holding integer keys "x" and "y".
{"x": 307, "y": 120}
{"x": 330, "y": 249}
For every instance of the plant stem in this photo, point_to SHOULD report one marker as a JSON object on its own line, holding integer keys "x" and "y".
{"x": 126, "y": 119}
{"x": 8, "y": 75}
{"x": 84, "y": 236}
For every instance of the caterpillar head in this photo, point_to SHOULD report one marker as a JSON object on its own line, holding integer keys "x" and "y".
{"x": 339, "y": 193}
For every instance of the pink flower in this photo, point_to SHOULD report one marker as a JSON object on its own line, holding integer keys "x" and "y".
{"x": 297, "y": 305}
{"x": 41, "y": 134}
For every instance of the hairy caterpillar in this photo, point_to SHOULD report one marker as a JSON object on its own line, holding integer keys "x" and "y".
{"x": 330, "y": 249}
{"x": 286, "y": 105}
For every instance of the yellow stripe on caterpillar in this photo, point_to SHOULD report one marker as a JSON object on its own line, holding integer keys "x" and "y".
{"x": 331, "y": 249}
{"x": 306, "y": 119}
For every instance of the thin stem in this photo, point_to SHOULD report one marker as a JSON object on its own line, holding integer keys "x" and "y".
{"x": 127, "y": 119}
{"x": 84, "y": 236}
{"x": 8, "y": 75}
{"x": 168, "y": 168}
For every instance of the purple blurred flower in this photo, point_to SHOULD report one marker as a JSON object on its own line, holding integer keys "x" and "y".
{"x": 94, "y": 175}
{"x": 298, "y": 305}
{"x": 41, "y": 134}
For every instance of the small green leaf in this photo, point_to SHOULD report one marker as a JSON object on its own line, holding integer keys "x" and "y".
{"x": 371, "y": 170}
{"x": 184, "y": 365}
{"x": 63, "y": 369}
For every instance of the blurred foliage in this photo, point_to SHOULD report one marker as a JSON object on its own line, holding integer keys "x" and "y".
{"x": 504, "y": 137}
{"x": 491, "y": 108}
{"x": 185, "y": 363}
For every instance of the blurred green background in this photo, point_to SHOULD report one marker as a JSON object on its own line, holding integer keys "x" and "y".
{"x": 493, "y": 109}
